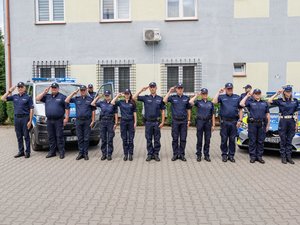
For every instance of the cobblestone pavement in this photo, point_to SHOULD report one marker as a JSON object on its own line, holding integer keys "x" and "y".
{"x": 54, "y": 191}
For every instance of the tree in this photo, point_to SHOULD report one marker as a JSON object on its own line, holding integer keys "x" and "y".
{"x": 2, "y": 65}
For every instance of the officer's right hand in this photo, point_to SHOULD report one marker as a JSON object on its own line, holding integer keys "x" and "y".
{"x": 12, "y": 89}
{"x": 221, "y": 90}
{"x": 120, "y": 94}
{"x": 172, "y": 89}
{"x": 46, "y": 90}
{"x": 279, "y": 92}
{"x": 145, "y": 88}
{"x": 75, "y": 92}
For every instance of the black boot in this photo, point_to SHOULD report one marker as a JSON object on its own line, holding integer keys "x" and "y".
{"x": 80, "y": 156}
{"x": 174, "y": 158}
{"x": 109, "y": 157}
{"x": 27, "y": 155}
{"x": 103, "y": 157}
{"x": 86, "y": 157}
{"x": 130, "y": 157}
{"x": 207, "y": 158}
{"x": 290, "y": 160}
{"x": 224, "y": 158}
{"x": 156, "y": 158}
{"x": 283, "y": 160}
{"x": 199, "y": 158}
{"x": 125, "y": 157}
{"x": 149, "y": 157}
{"x": 20, "y": 154}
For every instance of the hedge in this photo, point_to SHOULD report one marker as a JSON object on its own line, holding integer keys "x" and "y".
{"x": 3, "y": 113}
{"x": 10, "y": 112}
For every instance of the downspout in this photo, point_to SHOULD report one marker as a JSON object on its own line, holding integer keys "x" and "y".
{"x": 7, "y": 34}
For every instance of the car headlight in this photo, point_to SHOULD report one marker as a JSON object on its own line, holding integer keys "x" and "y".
{"x": 41, "y": 119}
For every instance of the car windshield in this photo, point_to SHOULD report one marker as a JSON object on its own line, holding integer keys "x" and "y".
{"x": 65, "y": 89}
{"x": 274, "y": 110}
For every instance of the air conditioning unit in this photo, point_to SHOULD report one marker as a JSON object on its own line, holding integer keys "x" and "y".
{"x": 151, "y": 35}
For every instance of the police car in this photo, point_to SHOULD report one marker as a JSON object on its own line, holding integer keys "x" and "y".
{"x": 272, "y": 140}
{"x": 38, "y": 133}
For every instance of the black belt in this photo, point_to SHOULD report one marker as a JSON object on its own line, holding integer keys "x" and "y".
{"x": 83, "y": 118}
{"x": 152, "y": 119}
{"x": 107, "y": 118}
{"x": 229, "y": 119}
{"x": 252, "y": 120}
{"x": 204, "y": 119}
{"x": 21, "y": 115}
{"x": 127, "y": 120}
{"x": 180, "y": 118}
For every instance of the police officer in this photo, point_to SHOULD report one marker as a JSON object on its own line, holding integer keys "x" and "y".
{"x": 154, "y": 108}
{"x": 288, "y": 121}
{"x": 248, "y": 89}
{"x": 258, "y": 124}
{"x": 85, "y": 119}
{"x": 231, "y": 116}
{"x": 205, "y": 122}
{"x": 128, "y": 122}
{"x": 109, "y": 122}
{"x": 91, "y": 91}
{"x": 181, "y": 118}
{"x": 57, "y": 113}
{"x": 23, "y": 112}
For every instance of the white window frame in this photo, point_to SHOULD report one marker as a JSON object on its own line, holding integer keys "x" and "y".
{"x": 181, "y": 17}
{"x": 50, "y": 21}
{"x": 102, "y": 20}
{"x": 243, "y": 72}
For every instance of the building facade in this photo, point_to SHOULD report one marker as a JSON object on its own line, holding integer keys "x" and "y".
{"x": 205, "y": 43}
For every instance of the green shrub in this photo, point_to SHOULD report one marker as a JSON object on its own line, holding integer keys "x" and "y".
{"x": 3, "y": 114}
{"x": 10, "y": 112}
{"x": 139, "y": 113}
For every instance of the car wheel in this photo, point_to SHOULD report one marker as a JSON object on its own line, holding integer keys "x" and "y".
{"x": 34, "y": 145}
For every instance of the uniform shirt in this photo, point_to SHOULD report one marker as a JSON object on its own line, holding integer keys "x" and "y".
{"x": 84, "y": 108}
{"x": 55, "y": 105}
{"x": 153, "y": 106}
{"x": 229, "y": 106}
{"x": 22, "y": 103}
{"x": 107, "y": 110}
{"x": 127, "y": 109}
{"x": 288, "y": 107}
{"x": 205, "y": 109}
{"x": 92, "y": 94}
{"x": 257, "y": 109}
{"x": 180, "y": 105}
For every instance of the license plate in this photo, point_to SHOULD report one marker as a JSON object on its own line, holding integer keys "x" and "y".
{"x": 273, "y": 140}
{"x": 72, "y": 138}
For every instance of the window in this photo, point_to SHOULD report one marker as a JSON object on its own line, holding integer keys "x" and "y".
{"x": 239, "y": 69}
{"x": 50, "y": 11}
{"x": 50, "y": 69}
{"x": 186, "y": 71}
{"x": 115, "y": 10}
{"x": 120, "y": 72}
{"x": 181, "y": 9}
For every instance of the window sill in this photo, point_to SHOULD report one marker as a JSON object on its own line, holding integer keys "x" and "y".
{"x": 178, "y": 19}
{"x": 239, "y": 75}
{"x": 50, "y": 23}
{"x": 116, "y": 21}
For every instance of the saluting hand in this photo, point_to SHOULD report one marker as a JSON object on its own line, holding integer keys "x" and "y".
{"x": 221, "y": 90}
{"x": 12, "y": 89}
{"x": 46, "y": 90}
{"x": 145, "y": 88}
{"x": 172, "y": 89}
{"x": 75, "y": 92}
{"x": 279, "y": 92}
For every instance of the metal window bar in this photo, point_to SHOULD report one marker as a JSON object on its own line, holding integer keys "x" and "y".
{"x": 60, "y": 68}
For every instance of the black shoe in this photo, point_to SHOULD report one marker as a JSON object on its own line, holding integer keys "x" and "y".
{"x": 130, "y": 157}
{"x": 152, "y": 157}
{"x": 109, "y": 157}
{"x": 261, "y": 161}
{"x": 283, "y": 160}
{"x": 80, "y": 156}
{"x": 174, "y": 158}
{"x": 290, "y": 161}
{"x": 156, "y": 158}
{"x": 183, "y": 158}
{"x": 206, "y": 158}
{"x": 103, "y": 157}
{"x": 62, "y": 156}
{"x": 198, "y": 158}
{"x": 149, "y": 157}
{"x": 86, "y": 157}
{"x": 27, "y": 155}
{"x": 50, "y": 155}
{"x": 224, "y": 158}
{"x": 252, "y": 160}
{"x": 231, "y": 159}
{"x": 19, "y": 155}
{"x": 125, "y": 157}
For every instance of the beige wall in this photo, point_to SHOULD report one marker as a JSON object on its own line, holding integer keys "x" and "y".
{"x": 293, "y": 7}
{"x": 293, "y": 74}
{"x": 84, "y": 74}
{"x": 251, "y": 8}
{"x": 148, "y": 10}
{"x": 257, "y": 76}
{"x": 146, "y": 73}
{"x": 80, "y": 11}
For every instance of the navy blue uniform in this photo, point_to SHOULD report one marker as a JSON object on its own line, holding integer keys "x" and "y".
{"x": 55, "y": 111}
{"x": 92, "y": 94}
{"x": 127, "y": 125}
{"x": 286, "y": 125}
{"x": 179, "y": 108}
{"x": 153, "y": 106}
{"x": 229, "y": 113}
{"x": 107, "y": 132}
{"x": 205, "y": 111}
{"x": 257, "y": 122}
{"x": 22, "y": 105}
{"x": 84, "y": 112}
